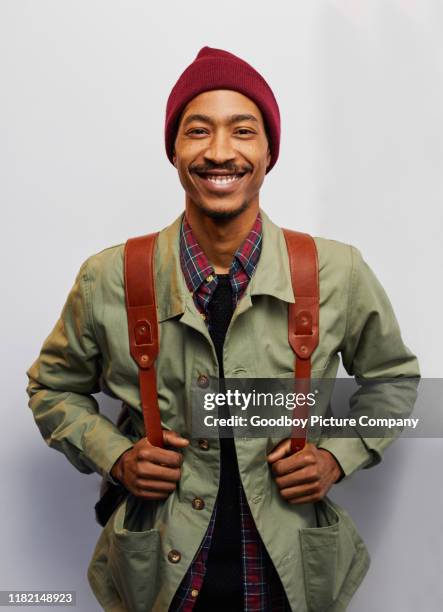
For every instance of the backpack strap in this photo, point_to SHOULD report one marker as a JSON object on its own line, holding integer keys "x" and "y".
{"x": 303, "y": 316}
{"x": 143, "y": 327}
{"x": 303, "y": 321}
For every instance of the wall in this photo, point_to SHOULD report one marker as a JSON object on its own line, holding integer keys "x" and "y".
{"x": 82, "y": 166}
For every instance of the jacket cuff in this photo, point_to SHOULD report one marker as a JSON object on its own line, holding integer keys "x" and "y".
{"x": 112, "y": 480}
{"x": 351, "y": 454}
{"x": 112, "y": 456}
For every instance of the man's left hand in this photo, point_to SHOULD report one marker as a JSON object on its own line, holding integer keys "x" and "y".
{"x": 304, "y": 476}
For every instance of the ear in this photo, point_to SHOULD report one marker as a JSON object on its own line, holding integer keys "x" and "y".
{"x": 268, "y": 157}
{"x": 174, "y": 158}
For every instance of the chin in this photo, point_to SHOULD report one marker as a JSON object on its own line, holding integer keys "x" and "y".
{"x": 222, "y": 211}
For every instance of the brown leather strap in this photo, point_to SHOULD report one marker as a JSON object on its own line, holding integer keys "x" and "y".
{"x": 303, "y": 317}
{"x": 303, "y": 321}
{"x": 143, "y": 327}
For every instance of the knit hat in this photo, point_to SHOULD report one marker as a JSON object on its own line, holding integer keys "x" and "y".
{"x": 218, "y": 69}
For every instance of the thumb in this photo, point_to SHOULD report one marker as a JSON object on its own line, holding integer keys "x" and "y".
{"x": 282, "y": 449}
{"x": 172, "y": 438}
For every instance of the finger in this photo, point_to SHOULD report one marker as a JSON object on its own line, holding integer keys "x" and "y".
{"x": 305, "y": 475}
{"x": 300, "y": 491}
{"x": 281, "y": 450}
{"x": 296, "y": 461}
{"x": 160, "y": 456}
{"x": 151, "y": 471}
{"x": 172, "y": 438}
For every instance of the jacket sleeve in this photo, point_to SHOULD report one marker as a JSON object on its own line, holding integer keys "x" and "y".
{"x": 62, "y": 381}
{"x": 372, "y": 349}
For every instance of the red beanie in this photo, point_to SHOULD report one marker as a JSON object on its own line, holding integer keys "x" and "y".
{"x": 218, "y": 69}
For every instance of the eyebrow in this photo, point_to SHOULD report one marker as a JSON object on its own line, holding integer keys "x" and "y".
{"x": 207, "y": 119}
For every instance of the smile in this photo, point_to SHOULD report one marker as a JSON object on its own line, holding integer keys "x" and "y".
{"x": 218, "y": 181}
{"x": 228, "y": 178}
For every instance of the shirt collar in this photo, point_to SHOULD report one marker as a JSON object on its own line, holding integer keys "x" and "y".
{"x": 196, "y": 266}
{"x": 272, "y": 275}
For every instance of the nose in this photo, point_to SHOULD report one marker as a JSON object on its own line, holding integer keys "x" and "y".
{"x": 219, "y": 148}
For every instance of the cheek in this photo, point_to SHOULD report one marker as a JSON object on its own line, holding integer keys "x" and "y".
{"x": 188, "y": 150}
{"x": 184, "y": 177}
{"x": 251, "y": 155}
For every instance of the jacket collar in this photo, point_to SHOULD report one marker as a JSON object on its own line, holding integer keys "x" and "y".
{"x": 271, "y": 277}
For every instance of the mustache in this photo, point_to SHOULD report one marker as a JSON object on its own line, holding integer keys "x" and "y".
{"x": 227, "y": 167}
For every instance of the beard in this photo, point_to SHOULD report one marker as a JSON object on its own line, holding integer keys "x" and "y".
{"x": 222, "y": 214}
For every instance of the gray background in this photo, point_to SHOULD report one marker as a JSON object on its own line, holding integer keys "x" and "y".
{"x": 82, "y": 166}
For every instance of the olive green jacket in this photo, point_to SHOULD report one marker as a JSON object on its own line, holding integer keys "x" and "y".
{"x": 315, "y": 548}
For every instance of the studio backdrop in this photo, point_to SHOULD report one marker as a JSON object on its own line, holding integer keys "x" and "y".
{"x": 82, "y": 167}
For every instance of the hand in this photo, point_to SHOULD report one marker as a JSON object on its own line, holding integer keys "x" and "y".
{"x": 304, "y": 476}
{"x": 150, "y": 472}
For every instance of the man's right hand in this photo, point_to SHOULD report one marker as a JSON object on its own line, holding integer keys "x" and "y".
{"x": 150, "y": 472}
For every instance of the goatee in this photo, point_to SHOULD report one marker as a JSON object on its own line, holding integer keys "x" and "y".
{"x": 224, "y": 214}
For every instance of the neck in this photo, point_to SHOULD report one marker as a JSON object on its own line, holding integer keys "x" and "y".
{"x": 220, "y": 238}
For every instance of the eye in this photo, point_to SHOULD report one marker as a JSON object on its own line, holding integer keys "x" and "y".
{"x": 194, "y": 130}
{"x": 245, "y": 131}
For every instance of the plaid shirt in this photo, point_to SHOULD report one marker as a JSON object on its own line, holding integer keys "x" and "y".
{"x": 262, "y": 588}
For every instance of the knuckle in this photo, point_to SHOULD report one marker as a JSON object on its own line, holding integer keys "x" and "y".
{"x": 316, "y": 491}
{"x": 177, "y": 459}
{"x": 276, "y": 468}
{"x": 310, "y": 457}
{"x": 314, "y": 472}
{"x": 142, "y": 472}
{"x": 278, "y": 482}
{"x": 144, "y": 455}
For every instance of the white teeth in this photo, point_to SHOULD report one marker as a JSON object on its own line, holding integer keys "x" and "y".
{"x": 223, "y": 180}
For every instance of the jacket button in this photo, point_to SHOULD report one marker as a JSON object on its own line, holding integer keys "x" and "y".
{"x": 203, "y": 381}
{"x": 198, "y": 503}
{"x": 174, "y": 556}
{"x": 194, "y": 592}
{"x": 203, "y": 444}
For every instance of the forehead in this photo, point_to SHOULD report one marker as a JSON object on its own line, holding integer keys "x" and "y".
{"x": 221, "y": 104}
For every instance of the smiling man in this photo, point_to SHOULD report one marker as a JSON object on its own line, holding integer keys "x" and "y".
{"x": 222, "y": 155}
{"x": 217, "y": 524}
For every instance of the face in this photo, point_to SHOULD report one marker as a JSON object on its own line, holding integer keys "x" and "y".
{"x": 221, "y": 152}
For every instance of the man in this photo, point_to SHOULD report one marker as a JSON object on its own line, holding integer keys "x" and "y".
{"x": 217, "y": 524}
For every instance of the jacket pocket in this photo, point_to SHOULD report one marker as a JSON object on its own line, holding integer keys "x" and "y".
{"x": 328, "y": 552}
{"x": 134, "y": 563}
